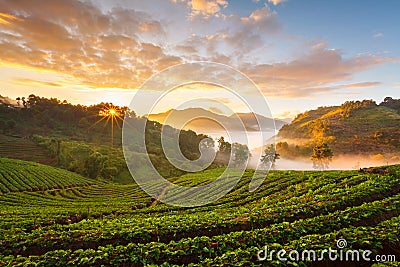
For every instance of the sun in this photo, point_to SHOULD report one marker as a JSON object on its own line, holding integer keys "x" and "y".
{"x": 112, "y": 112}
{"x": 112, "y": 116}
{"x": 109, "y": 112}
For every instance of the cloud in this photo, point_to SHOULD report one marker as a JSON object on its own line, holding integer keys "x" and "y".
{"x": 100, "y": 48}
{"x": 241, "y": 36}
{"x": 7, "y": 18}
{"x": 206, "y": 8}
{"x": 312, "y": 73}
{"x": 377, "y": 35}
{"x": 119, "y": 47}
{"x": 26, "y": 81}
{"x": 276, "y": 2}
{"x": 361, "y": 85}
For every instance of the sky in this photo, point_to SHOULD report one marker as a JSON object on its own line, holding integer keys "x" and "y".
{"x": 300, "y": 54}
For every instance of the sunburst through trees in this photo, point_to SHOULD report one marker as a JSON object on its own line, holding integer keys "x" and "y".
{"x": 112, "y": 115}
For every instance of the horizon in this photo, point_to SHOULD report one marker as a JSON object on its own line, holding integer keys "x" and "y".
{"x": 298, "y": 54}
{"x": 215, "y": 111}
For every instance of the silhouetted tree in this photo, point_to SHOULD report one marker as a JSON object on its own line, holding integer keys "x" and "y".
{"x": 223, "y": 146}
{"x": 270, "y": 156}
{"x": 241, "y": 154}
{"x": 322, "y": 156}
{"x": 391, "y": 103}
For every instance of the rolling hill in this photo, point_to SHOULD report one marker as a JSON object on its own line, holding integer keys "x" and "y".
{"x": 21, "y": 176}
{"x": 356, "y": 127}
{"x": 25, "y": 149}
{"x": 84, "y": 222}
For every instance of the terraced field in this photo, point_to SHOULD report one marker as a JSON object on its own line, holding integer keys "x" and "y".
{"x": 24, "y": 149}
{"x": 72, "y": 220}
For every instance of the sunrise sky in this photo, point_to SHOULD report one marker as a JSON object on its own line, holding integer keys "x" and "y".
{"x": 301, "y": 54}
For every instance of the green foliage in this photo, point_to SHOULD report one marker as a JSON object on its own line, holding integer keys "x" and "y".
{"x": 356, "y": 127}
{"x": 391, "y": 103}
{"x": 224, "y": 147}
{"x": 224, "y": 151}
{"x": 294, "y": 150}
{"x": 79, "y": 137}
{"x": 112, "y": 225}
{"x": 17, "y": 175}
{"x": 241, "y": 154}
{"x": 322, "y": 156}
{"x": 349, "y": 106}
{"x": 270, "y": 156}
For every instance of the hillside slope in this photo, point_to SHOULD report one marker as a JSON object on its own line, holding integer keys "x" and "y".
{"x": 114, "y": 225}
{"x": 19, "y": 176}
{"x": 24, "y": 149}
{"x": 356, "y": 127}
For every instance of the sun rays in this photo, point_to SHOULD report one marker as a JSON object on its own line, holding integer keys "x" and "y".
{"x": 110, "y": 115}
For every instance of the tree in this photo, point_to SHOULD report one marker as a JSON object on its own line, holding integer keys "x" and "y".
{"x": 322, "y": 156}
{"x": 95, "y": 164}
{"x": 391, "y": 103}
{"x": 24, "y": 102}
{"x": 223, "y": 146}
{"x": 270, "y": 156}
{"x": 241, "y": 154}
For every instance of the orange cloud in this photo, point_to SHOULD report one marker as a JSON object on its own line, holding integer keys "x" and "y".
{"x": 206, "y": 8}
{"x": 312, "y": 73}
{"x": 7, "y": 18}
{"x": 121, "y": 48}
{"x": 361, "y": 85}
{"x": 98, "y": 48}
{"x": 26, "y": 81}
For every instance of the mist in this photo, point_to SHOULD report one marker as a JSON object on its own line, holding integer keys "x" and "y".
{"x": 342, "y": 162}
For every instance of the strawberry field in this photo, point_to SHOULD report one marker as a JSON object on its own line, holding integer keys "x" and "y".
{"x": 51, "y": 217}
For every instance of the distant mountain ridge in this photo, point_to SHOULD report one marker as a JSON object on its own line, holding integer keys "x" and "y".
{"x": 355, "y": 127}
{"x": 208, "y": 120}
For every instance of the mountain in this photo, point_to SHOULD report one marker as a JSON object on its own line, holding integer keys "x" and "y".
{"x": 356, "y": 127}
{"x": 207, "y": 121}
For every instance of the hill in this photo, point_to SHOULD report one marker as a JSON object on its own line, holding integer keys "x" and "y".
{"x": 84, "y": 139}
{"x": 208, "y": 121}
{"x": 19, "y": 176}
{"x": 356, "y": 127}
{"x": 103, "y": 224}
{"x": 22, "y": 148}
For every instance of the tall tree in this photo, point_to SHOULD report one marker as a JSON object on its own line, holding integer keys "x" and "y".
{"x": 223, "y": 146}
{"x": 241, "y": 154}
{"x": 270, "y": 156}
{"x": 322, "y": 156}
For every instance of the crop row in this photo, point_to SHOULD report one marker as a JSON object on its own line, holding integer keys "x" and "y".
{"x": 239, "y": 248}
{"x": 122, "y": 232}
